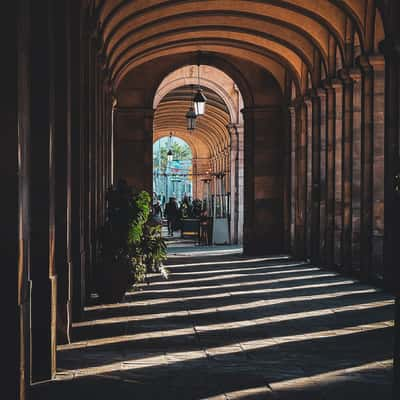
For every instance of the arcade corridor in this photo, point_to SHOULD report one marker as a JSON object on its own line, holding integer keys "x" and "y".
{"x": 291, "y": 112}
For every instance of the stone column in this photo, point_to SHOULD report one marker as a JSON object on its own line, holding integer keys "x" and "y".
{"x": 347, "y": 169}
{"x": 330, "y": 176}
{"x": 78, "y": 160}
{"x": 367, "y": 133}
{"x": 315, "y": 211}
{"x": 236, "y": 181}
{"x": 287, "y": 176}
{"x": 249, "y": 176}
{"x": 196, "y": 186}
{"x": 42, "y": 197}
{"x": 337, "y": 85}
{"x": 264, "y": 181}
{"x": 134, "y": 149}
{"x": 323, "y": 177}
{"x": 357, "y": 168}
{"x": 227, "y": 168}
{"x": 233, "y": 181}
{"x": 301, "y": 167}
{"x": 309, "y": 163}
{"x": 293, "y": 180}
{"x": 397, "y": 348}
{"x": 90, "y": 200}
{"x": 14, "y": 226}
{"x": 377, "y": 180}
{"x": 391, "y": 49}
{"x": 240, "y": 183}
{"x": 62, "y": 128}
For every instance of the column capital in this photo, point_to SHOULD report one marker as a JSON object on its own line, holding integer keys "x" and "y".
{"x": 307, "y": 98}
{"x": 372, "y": 62}
{"x": 297, "y": 102}
{"x": 337, "y": 84}
{"x": 318, "y": 92}
{"x": 345, "y": 77}
{"x": 355, "y": 74}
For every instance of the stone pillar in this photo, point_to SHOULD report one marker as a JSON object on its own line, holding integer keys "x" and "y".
{"x": 249, "y": 177}
{"x": 367, "y": 169}
{"x": 42, "y": 197}
{"x": 264, "y": 182}
{"x": 227, "y": 169}
{"x": 377, "y": 180}
{"x": 338, "y": 179}
{"x": 233, "y": 181}
{"x": 397, "y": 349}
{"x": 323, "y": 177}
{"x": 62, "y": 128}
{"x": 134, "y": 146}
{"x": 309, "y": 215}
{"x": 196, "y": 183}
{"x": 14, "y": 226}
{"x": 315, "y": 138}
{"x": 78, "y": 160}
{"x": 347, "y": 169}
{"x": 236, "y": 181}
{"x": 301, "y": 168}
{"x": 293, "y": 176}
{"x": 287, "y": 176}
{"x": 357, "y": 168}
{"x": 391, "y": 49}
{"x": 330, "y": 176}
{"x": 90, "y": 184}
{"x": 240, "y": 183}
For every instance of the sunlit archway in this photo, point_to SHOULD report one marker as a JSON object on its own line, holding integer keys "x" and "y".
{"x": 217, "y": 141}
{"x": 172, "y": 169}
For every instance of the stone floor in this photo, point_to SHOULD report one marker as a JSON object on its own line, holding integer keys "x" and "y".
{"x": 229, "y": 327}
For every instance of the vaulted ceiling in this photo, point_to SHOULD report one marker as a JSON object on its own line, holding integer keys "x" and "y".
{"x": 210, "y": 136}
{"x": 304, "y": 37}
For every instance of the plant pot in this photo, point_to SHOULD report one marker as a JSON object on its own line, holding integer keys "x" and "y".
{"x": 113, "y": 280}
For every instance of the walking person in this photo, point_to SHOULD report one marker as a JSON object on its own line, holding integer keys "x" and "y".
{"x": 156, "y": 214}
{"x": 203, "y": 226}
{"x": 172, "y": 215}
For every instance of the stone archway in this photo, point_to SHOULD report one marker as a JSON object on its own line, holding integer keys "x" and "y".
{"x": 262, "y": 163}
{"x": 216, "y": 150}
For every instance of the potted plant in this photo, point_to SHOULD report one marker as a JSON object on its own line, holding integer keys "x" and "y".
{"x": 130, "y": 248}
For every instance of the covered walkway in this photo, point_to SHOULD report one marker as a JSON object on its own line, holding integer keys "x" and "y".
{"x": 300, "y": 138}
{"x": 233, "y": 327}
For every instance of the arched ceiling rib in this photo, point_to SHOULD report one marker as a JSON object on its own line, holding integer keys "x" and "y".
{"x": 212, "y": 78}
{"x": 260, "y": 25}
{"x": 220, "y": 35}
{"x": 198, "y": 148}
{"x": 261, "y": 57}
{"x": 211, "y": 129}
{"x": 289, "y": 32}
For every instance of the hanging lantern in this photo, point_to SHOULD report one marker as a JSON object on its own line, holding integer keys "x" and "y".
{"x": 199, "y": 102}
{"x": 169, "y": 155}
{"x": 191, "y": 119}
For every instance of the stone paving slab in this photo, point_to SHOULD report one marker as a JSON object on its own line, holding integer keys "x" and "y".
{"x": 230, "y": 327}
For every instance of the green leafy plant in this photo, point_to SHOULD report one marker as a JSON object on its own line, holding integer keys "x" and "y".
{"x": 129, "y": 246}
{"x": 153, "y": 248}
{"x": 141, "y": 213}
{"x": 146, "y": 247}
